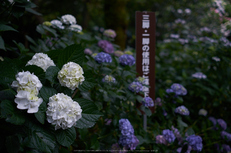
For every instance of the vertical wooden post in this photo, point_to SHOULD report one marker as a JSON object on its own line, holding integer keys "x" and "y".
{"x": 145, "y": 53}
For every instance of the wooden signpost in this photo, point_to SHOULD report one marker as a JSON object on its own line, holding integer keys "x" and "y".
{"x": 145, "y": 53}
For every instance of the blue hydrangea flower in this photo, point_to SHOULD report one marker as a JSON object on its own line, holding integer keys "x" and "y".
{"x": 168, "y": 135}
{"x": 109, "y": 79}
{"x": 195, "y": 142}
{"x": 225, "y": 148}
{"x": 103, "y": 58}
{"x": 148, "y": 102}
{"x": 177, "y": 134}
{"x": 199, "y": 75}
{"x": 125, "y": 127}
{"x": 129, "y": 141}
{"x": 106, "y": 46}
{"x": 135, "y": 87}
{"x": 158, "y": 101}
{"x": 222, "y": 124}
{"x": 226, "y": 135}
{"x": 126, "y": 60}
{"x": 182, "y": 110}
{"x": 178, "y": 89}
{"x": 161, "y": 140}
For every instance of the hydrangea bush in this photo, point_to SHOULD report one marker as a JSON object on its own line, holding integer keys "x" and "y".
{"x": 81, "y": 92}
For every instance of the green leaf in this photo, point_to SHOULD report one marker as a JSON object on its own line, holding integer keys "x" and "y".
{"x": 42, "y": 141}
{"x": 8, "y": 94}
{"x": 40, "y": 29}
{"x": 73, "y": 53}
{"x": 38, "y": 71}
{"x": 30, "y": 40}
{"x": 12, "y": 144}
{"x": 41, "y": 115}
{"x": 147, "y": 111}
{"x": 90, "y": 113}
{"x": 66, "y": 137}
{"x": 51, "y": 74}
{"x": 85, "y": 86}
{"x": 33, "y": 11}
{"x": 4, "y": 27}
{"x": 2, "y": 44}
{"x": 50, "y": 30}
{"x": 11, "y": 113}
{"x": 47, "y": 92}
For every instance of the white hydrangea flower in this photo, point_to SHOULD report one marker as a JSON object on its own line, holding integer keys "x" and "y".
{"x": 62, "y": 111}
{"x": 68, "y": 19}
{"x": 71, "y": 75}
{"x": 28, "y": 86}
{"x": 57, "y": 23}
{"x": 41, "y": 60}
{"x": 76, "y": 27}
{"x": 27, "y": 100}
{"x": 217, "y": 59}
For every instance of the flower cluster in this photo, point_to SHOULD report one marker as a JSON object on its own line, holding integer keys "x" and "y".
{"x": 225, "y": 148}
{"x": 126, "y": 60}
{"x": 222, "y": 124}
{"x": 226, "y": 135}
{"x": 71, "y": 75}
{"x": 161, "y": 140}
{"x": 178, "y": 89}
{"x": 109, "y": 33}
{"x": 148, "y": 102}
{"x": 202, "y": 112}
{"x": 76, "y": 28}
{"x": 62, "y": 111}
{"x": 41, "y": 60}
{"x": 168, "y": 135}
{"x": 106, "y": 46}
{"x": 140, "y": 80}
{"x": 109, "y": 79}
{"x": 217, "y": 59}
{"x": 177, "y": 134}
{"x": 28, "y": 86}
{"x": 57, "y": 24}
{"x": 87, "y": 51}
{"x": 182, "y": 110}
{"x": 158, "y": 101}
{"x": 195, "y": 142}
{"x": 135, "y": 87}
{"x": 103, "y": 58}
{"x": 68, "y": 19}
{"x": 127, "y": 139}
{"x": 199, "y": 75}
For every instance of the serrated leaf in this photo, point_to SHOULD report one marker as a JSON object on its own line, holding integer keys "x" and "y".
{"x": 66, "y": 137}
{"x": 51, "y": 74}
{"x": 2, "y": 44}
{"x": 85, "y": 86}
{"x": 42, "y": 141}
{"x": 47, "y": 92}
{"x": 4, "y": 27}
{"x": 90, "y": 113}
{"x": 10, "y": 112}
{"x": 74, "y": 53}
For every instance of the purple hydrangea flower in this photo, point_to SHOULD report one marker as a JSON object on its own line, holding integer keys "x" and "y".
{"x": 161, "y": 140}
{"x": 177, "y": 134}
{"x": 195, "y": 142}
{"x": 148, "y": 102}
{"x": 165, "y": 113}
{"x": 213, "y": 120}
{"x": 182, "y": 110}
{"x": 108, "y": 121}
{"x": 226, "y": 135}
{"x": 225, "y": 148}
{"x": 106, "y": 46}
{"x": 158, "y": 101}
{"x": 88, "y": 51}
{"x": 115, "y": 148}
{"x": 126, "y": 60}
{"x": 168, "y": 135}
{"x": 135, "y": 87}
{"x": 199, "y": 75}
{"x": 178, "y": 89}
{"x": 126, "y": 127}
{"x": 103, "y": 58}
{"x": 129, "y": 141}
{"x": 222, "y": 124}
